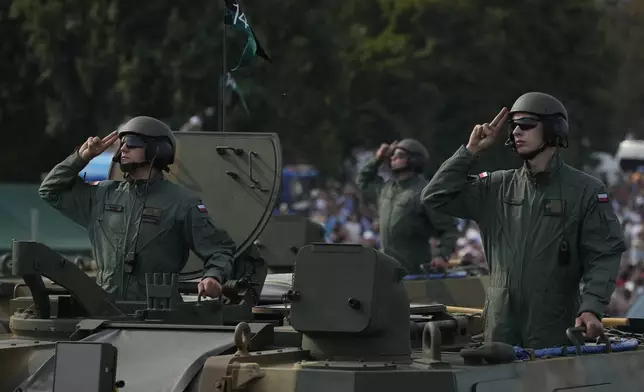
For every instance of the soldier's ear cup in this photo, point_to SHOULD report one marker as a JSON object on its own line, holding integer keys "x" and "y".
{"x": 559, "y": 131}
{"x": 161, "y": 151}
{"x": 561, "y": 126}
{"x": 556, "y": 131}
{"x": 417, "y": 163}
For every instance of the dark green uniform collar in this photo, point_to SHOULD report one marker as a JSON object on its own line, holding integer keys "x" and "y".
{"x": 554, "y": 164}
{"x": 156, "y": 176}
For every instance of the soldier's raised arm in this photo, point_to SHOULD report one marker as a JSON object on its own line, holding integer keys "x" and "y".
{"x": 368, "y": 180}
{"x": 601, "y": 245}
{"x": 64, "y": 190}
{"x": 452, "y": 190}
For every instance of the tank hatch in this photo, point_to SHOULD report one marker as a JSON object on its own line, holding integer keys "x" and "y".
{"x": 237, "y": 176}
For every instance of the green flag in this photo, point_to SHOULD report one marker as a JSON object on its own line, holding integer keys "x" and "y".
{"x": 237, "y": 94}
{"x": 236, "y": 18}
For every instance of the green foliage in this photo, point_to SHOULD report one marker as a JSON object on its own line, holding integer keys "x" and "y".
{"x": 344, "y": 73}
{"x": 451, "y": 64}
{"x": 628, "y": 36}
{"x": 21, "y": 104}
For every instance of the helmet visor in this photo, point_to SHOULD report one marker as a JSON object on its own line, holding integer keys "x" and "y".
{"x": 133, "y": 141}
{"x": 524, "y": 123}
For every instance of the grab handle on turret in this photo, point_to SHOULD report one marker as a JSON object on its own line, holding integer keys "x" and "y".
{"x": 572, "y": 333}
{"x": 431, "y": 341}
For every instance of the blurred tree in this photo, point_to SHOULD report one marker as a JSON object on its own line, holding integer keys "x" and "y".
{"x": 628, "y": 24}
{"x": 432, "y": 69}
{"x": 344, "y": 73}
{"x": 22, "y": 116}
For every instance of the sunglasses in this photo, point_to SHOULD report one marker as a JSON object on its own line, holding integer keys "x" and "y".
{"x": 525, "y": 124}
{"x": 400, "y": 155}
{"x": 133, "y": 141}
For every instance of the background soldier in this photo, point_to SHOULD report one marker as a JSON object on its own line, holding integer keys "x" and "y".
{"x": 145, "y": 224}
{"x": 545, "y": 227}
{"x": 405, "y": 224}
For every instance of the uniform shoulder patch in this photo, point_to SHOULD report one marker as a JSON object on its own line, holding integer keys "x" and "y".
{"x": 94, "y": 183}
{"x": 483, "y": 175}
{"x": 202, "y": 208}
{"x": 602, "y": 198}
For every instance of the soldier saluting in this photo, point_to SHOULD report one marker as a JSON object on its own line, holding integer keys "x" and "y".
{"x": 405, "y": 224}
{"x": 545, "y": 226}
{"x": 145, "y": 224}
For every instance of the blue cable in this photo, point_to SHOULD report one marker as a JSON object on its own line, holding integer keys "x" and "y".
{"x": 449, "y": 275}
{"x": 624, "y": 345}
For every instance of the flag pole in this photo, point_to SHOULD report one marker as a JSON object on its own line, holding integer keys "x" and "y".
{"x": 222, "y": 106}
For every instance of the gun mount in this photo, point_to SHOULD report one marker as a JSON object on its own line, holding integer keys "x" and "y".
{"x": 86, "y": 300}
{"x": 352, "y": 318}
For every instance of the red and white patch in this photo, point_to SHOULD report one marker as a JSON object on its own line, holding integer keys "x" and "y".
{"x": 202, "y": 208}
{"x": 483, "y": 175}
{"x": 602, "y": 198}
{"x": 94, "y": 183}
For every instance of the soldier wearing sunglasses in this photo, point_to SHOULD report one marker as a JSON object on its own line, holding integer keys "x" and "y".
{"x": 405, "y": 224}
{"x": 546, "y": 226}
{"x": 145, "y": 224}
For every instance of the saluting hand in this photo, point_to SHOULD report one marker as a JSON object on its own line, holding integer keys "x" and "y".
{"x": 385, "y": 150}
{"x": 94, "y": 146}
{"x": 483, "y": 136}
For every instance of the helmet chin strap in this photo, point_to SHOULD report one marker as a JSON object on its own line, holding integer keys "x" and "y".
{"x": 407, "y": 168}
{"x": 129, "y": 167}
{"x": 531, "y": 155}
{"x": 403, "y": 169}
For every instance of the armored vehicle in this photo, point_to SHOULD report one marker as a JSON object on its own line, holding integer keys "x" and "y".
{"x": 345, "y": 324}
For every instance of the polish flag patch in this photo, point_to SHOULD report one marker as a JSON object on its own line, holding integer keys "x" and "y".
{"x": 94, "y": 183}
{"x": 483, "y": 175}
{"x": 201, "y": 208}
{"x": 602, "y": 198}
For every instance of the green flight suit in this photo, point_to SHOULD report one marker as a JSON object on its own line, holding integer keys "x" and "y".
{"x": 405, "y": 223}
{"x": 173, "y": 222}
{"x": 534, "y": 294}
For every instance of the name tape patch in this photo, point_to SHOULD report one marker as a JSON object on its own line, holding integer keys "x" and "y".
{"x": 602, "y": 198}
{"x": 113, "y": 208}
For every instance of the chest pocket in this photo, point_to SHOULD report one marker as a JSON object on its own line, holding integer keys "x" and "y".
{"x": 405, "y": 201}
{"x": 155, "y": 224}
{"x": 113, "y": 218}
{"x": 512, "y": 207}
{"x": 404, "y": 211}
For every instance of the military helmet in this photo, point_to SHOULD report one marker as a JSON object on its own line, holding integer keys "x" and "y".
{"x": 413, "y": 147}
{"x": 148, "y": 126}
{"x": 160, "y": 141}
{"x": 548, "y": 108}
{"x": 419, "y": 155}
